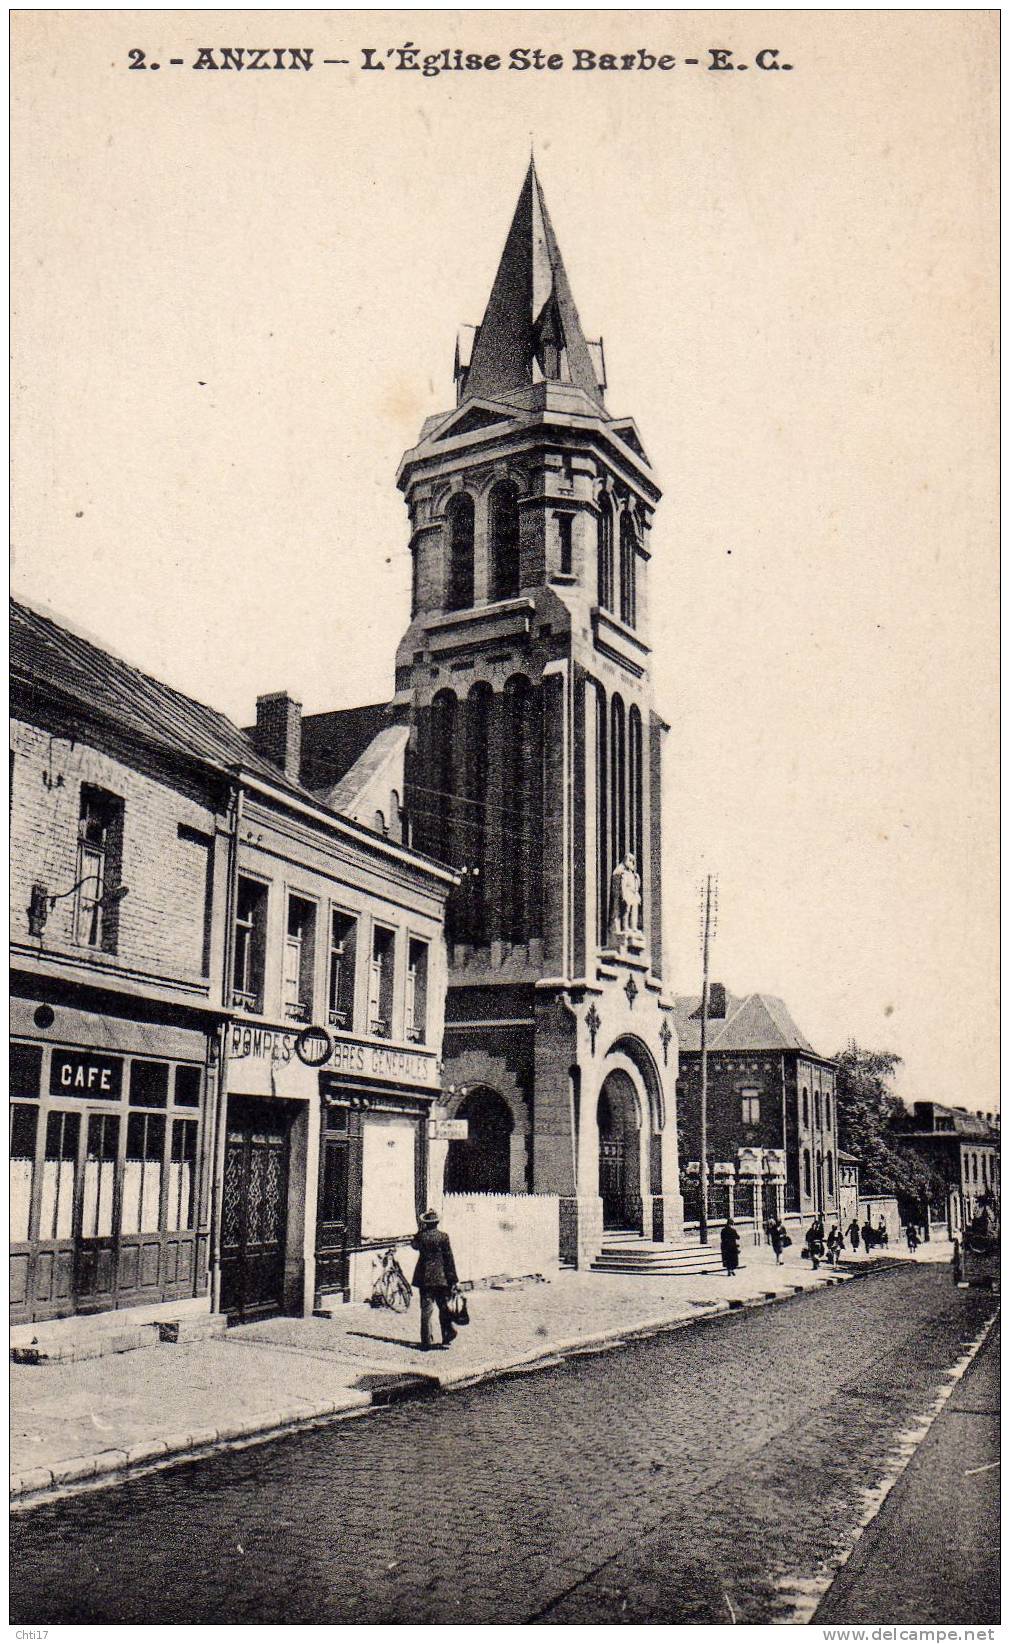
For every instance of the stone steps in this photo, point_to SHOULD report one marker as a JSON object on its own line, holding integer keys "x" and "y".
{"x": 66, "y": 1341}
{"x": 622, "y": 1254}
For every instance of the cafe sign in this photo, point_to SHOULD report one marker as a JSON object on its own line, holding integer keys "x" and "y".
{"x": 288, "y": 1054}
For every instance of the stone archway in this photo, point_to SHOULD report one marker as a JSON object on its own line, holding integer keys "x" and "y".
{"x": 619, "y": 1123}
{"x": 481, "y": 1164}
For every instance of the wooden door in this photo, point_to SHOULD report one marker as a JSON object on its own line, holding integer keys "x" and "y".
{"x": 331, "y": 1211}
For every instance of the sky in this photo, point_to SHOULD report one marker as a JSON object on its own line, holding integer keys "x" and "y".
{"x": 235, "y": 301}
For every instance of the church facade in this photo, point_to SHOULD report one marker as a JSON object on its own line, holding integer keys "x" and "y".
{"x": 533, "y": 761}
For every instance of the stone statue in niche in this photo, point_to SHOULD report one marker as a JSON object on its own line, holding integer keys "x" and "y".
{"x": 626, "y": 905}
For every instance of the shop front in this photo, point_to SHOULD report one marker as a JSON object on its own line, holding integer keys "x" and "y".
{"x": 109, "y": 1172}
{"x": 325, "y": 1164}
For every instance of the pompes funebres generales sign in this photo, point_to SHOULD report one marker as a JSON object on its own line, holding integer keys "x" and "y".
{"x": 314, "y": 1047}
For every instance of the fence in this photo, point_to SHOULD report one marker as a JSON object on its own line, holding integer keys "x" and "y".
{"x": 502, "y": 1234}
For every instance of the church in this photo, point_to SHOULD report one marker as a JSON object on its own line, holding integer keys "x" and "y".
{"x": 522, "y": 748}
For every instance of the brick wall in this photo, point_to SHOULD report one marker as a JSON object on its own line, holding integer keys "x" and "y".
{"x": 161, "y": 920}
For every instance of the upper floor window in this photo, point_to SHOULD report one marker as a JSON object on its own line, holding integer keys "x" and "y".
{"x": 343, "y": 942}
{"x": 605, "y": 555}
{"x": 751, "y": 1104}
{"x": 250, "y": 944}
{"x": 504, "y": 520}
{"x": 459, "y": 516}
{"x": 99, "y": 866}
{"x": 817, "y": 1109}
{"x": 299, "y": 960}
{"x": 827, "y": 1111}
{"x": 806, "y": 1109}
{"x": 806, "y": 1172}
{"x": 380, "y": 983}
{"x": 416, "y": 1014}
{"x": 629, "y": 563}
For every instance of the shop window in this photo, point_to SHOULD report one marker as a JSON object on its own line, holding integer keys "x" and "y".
{"x": 181, "y": 1175}
{"x": 417, "y": 993}
{"x": 343, "y": 942}
{"x": 250, "y": 945}
{"x": 299, "y": 960}
{"x": 100, "y": 1175}
{"x": 148, "y": 1084}
{"x": 59, "y": 1175}
{"x": 24, "y": 1129}
{"x": 751, "y": 1103}
{"x": 99, "y": 868}
{"x": 142, "y": 1172}
{"x": 25, "y": 1070}
{"x": 188, "y": 1081}
{"x": 380, "y": 983}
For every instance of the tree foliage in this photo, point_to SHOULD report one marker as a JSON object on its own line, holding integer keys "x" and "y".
{"x": 866, "y": 1104}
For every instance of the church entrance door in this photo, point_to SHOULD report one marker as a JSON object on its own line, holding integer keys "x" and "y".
{"x": 617, "y": 1123}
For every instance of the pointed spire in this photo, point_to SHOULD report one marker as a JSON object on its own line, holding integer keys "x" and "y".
{"x": 531, "y": 331}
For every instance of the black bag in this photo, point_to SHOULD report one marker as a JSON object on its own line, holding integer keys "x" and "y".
{"x": 786, "y": 1240}
{"x": 458, "y": 1310}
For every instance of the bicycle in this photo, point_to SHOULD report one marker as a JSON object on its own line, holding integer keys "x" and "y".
{"x": 391, "y": 1288}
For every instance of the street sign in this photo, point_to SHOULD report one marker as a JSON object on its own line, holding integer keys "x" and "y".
{"x": 447, "y": 1130}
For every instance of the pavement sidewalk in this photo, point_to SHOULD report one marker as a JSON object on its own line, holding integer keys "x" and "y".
{"x": 96, "y": 1419}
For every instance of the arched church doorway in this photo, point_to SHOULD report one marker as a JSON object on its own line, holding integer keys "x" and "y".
{"x": 620, "y": 1169}
{"x": 481, "y": 1163}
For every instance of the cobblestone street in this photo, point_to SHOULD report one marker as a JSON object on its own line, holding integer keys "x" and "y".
{"x": 696, "y": 1477}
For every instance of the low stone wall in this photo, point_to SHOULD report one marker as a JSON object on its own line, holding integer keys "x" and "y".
{"x": 508, "y": 1234}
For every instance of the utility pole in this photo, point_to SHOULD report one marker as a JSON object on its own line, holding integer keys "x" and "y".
{"x": 706, "y": 932}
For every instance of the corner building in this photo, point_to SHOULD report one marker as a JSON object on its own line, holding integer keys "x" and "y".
{"x": 533, "y": 764}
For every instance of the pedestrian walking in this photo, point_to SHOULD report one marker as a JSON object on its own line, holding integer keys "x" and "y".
{"x": 868, "y": 1233}
{"x": 778, "y": 1238}
{"x": 882, "y": 1232}
{"x": 815, "y": 1242}
{"x": 853, "y": 1231}
{"x": 729, "y": 1239}
{"x": 912, "y": 1237}
{"x": 836, "y": 1244}
{"x": 434, "y": 1277}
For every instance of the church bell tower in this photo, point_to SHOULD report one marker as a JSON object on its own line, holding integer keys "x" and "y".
{"x": 534, "y": 760}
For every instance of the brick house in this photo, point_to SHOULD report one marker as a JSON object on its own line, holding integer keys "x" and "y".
{"x": 769, "y": 1093}
{"x": 226, "y": 1001}
{"x": 523, "y": 748}
{"x": 963, "y": 1148}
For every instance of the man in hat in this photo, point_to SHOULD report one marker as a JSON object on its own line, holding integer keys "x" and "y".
{"x": 434, "y": 1277}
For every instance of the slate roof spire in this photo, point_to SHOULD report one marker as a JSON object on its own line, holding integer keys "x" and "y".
{"x": 531, "y": 331}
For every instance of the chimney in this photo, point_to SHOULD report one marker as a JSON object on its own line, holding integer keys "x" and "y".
{"x": 717, "y": 1001}
{"x": 278, "y": 733}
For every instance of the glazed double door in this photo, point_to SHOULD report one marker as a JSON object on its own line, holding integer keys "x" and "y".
{"x": 254, "y": 1209}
